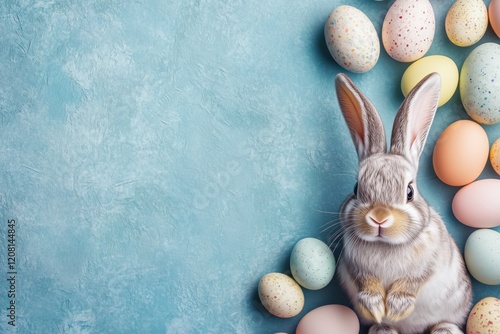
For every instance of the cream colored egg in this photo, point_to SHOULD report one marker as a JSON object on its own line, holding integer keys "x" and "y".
{"x": 446, "y": 68}
{"x": 484, "y": 317}
{"x": 281, "y": 295}
{"x": 495, "y": 156}
{"x": 352, "y": 39}
{"x": 466, "y": 22}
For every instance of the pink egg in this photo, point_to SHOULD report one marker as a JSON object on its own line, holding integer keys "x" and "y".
{"x": 329, "y": 319}
{"x": 476, "y": 204}
{"x": 408, "y": 29}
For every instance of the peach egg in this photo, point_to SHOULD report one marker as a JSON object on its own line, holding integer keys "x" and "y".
{"x": 495, "y": 156}
{"x": 494, "y": 16}
{"x": 461, "y": 153}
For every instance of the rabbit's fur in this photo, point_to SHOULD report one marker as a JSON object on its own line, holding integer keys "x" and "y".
{"x": 400, "y": 267}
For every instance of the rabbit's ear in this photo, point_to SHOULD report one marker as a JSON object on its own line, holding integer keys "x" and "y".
{"x": 414, "y": 118}
{"x": 365, "y": 125}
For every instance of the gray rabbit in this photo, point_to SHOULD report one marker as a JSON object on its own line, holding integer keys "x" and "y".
{"x": 400, "y": 267}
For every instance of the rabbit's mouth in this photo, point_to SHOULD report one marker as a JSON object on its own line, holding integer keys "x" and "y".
{"x": 382, "y": 223}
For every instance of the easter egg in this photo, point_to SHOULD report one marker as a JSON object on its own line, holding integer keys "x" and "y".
{"x": 480, "y": 84}
{"x": 352, "y": 39}
{"x": 461, "y": 152}
{"x": 408, "y": 29}
{"x": 312, "y": 263}
{"x": 495, "y": 156}
{"x": 280, "y": 295}
{"x": 482, "y": 256}
{"x": 443, "y": 65}
{"x": 494, "y": 16}
{"x": 484, "y": 318}
{"x": 329, "y": 319}
{"x": 477, "y": 204}
{"x": 466, "y": 22}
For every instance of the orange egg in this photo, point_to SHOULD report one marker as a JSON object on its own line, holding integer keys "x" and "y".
{"x": 494, "y": 15}
{"x": 495, "y": 156}
{"x": 461, "y": 153}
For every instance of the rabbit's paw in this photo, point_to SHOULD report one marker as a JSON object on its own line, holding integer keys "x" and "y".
{"x": 399, "y": 305}
{"x": 371, "y": 305}
{"x": 446, "y": 328}
{"x": 382, "y": 329}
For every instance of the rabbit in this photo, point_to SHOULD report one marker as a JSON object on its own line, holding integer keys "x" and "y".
{"x": 400, "y": 267}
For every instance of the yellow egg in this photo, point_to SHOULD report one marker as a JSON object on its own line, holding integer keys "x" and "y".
{"x": 281, "y": 295}
{"x": 424, "y": 66}
{"x": 466, "y": 22}
{"x": 495, "y": 156}
{"x": 484, "y": 317}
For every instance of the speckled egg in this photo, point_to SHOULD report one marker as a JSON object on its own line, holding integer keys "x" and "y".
{"x": 495, "y": 156}
{"x": 482, "y": 256}
{"x": 466, "y": 22}
{"x": 480, "y": 83}
{"x": 408, "y": 29}
{"x": 281, "y": 295}
{"x": 312, "y": 263}
{"x": 484, "y": 317}
{"x": 352, "y": 39}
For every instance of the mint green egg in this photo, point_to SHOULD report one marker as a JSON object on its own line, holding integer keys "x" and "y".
{"x": 312, "y": 263}
{"x": 482, "y": 256}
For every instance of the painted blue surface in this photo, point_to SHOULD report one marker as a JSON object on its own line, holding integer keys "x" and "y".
{"x": 159, "y": 157}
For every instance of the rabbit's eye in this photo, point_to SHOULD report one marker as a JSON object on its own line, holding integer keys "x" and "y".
{"x": 355, "y": 191}
{"x": 409, "y": 193}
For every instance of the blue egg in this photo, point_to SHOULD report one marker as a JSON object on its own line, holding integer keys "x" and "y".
{"x": 480, "y": 84}
{"x": 312, "y": 263}
{"x": 482, "y": 256}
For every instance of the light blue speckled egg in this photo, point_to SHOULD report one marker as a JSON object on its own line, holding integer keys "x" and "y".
{"x": 482, "y": 256}
{"x": 312, "y": 263}
{"x": 480, "y": 84}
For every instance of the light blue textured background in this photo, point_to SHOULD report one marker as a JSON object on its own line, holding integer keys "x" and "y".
{"x": 159, "y": 157}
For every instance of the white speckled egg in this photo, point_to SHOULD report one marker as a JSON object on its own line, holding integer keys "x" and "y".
{"x": 466, "y": 22}
{"x": 408, "y": 29}
{"x": 482, "y": 256}
{"x": 484, "y": 317}
{"x": 281, "y": 295}
{"x": 352, "y": 39}
{"x": 495, "y": 157}
{"x": 312, "y": 263}
{"x": 480, "y": 83}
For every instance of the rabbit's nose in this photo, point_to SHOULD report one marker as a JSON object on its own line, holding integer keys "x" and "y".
{"x": 379, "y": 216}
{"x": 377, "y": 222}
